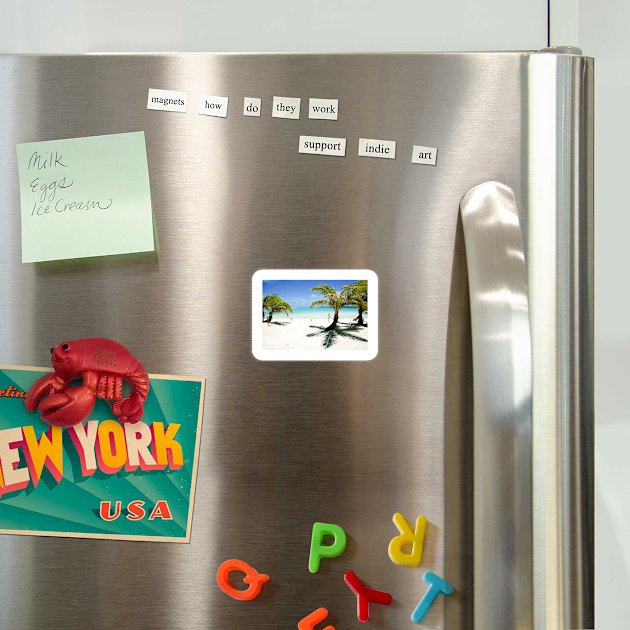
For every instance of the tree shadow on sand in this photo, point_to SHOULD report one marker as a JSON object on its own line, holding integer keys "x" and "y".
{"x": 276, "y": 323}
{"x": 331, "y": 337}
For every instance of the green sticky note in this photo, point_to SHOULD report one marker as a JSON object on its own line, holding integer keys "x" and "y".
{"x": 85, "y": 197}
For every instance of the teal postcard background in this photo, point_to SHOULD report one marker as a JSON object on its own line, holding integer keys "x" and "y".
{"x": 72, "y": 505}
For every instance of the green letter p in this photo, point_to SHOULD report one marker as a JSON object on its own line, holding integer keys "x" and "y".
{"x": 319, "y": 551}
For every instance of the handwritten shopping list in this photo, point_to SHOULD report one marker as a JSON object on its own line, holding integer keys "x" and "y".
{"x": 85, "y": 197}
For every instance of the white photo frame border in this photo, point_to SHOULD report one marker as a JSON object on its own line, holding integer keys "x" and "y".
{"x": 314, "y": 274}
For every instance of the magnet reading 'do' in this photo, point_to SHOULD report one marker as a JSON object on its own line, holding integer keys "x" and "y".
{"x": 102, "y": 364}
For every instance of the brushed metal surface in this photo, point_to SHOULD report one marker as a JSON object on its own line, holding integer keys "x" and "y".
{"x": 502, "y": 372}
{"x": 284, "y": 444}
{"x": 560, "y": 274}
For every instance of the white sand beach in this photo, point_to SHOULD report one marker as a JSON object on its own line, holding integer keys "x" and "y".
{"x": 304, "y": 334}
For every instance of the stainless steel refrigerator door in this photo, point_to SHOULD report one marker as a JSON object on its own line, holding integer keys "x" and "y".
{"x": 288, "y": 444}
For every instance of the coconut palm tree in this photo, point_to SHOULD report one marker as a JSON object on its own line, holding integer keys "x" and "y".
{"x": 331, "y": 298}
{"x": 275, "y": 304}
{"x": 357, "y": 296}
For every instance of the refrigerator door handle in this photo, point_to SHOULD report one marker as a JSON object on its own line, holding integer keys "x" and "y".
{"x": 502, "y": 375}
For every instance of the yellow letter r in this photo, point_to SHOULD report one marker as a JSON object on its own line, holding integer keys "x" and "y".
{"x": 407, "y": 537}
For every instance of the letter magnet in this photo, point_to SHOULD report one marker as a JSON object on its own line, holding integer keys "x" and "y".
{"x": 407, "y": 537}
{"x": 252, "y": 577}
{"x": 319, "y": 551}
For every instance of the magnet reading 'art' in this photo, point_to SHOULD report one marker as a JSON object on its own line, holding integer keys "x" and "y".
{"x": 102, "y": 364}
{"x": 319, "y": 550}
{"x": 252, "y": 577}
{"x": 407, "y": 537}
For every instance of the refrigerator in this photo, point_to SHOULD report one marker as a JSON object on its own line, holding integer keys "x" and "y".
{"x": 476, "y": 410}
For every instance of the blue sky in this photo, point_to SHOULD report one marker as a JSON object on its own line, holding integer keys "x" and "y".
{"x": 298, "y": 292}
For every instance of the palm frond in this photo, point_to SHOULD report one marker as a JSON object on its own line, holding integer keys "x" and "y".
{"x": 356, "y": 294}
{"x": 275, "y": 304}
{"x": 324, "y": 289}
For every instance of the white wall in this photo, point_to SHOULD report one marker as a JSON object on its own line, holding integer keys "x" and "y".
{"x": 603, "y": 28}
{"x": 281, "y": 25}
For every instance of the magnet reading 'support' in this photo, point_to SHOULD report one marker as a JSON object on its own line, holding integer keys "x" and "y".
{"x": 102, "y": 364}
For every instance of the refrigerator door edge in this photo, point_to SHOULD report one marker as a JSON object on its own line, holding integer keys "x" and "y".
{"x": 559, "y": 255}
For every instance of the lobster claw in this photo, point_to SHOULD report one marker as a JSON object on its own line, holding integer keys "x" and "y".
{"x": 68, "y": 408}
{"x": 43, "y": 386}
{"x": 127, "y": 410}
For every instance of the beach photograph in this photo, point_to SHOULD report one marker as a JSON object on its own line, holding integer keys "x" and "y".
{"x": 327, "y": 315}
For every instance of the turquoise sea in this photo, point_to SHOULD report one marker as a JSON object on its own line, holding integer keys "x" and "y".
{"x": 318, "y": 313}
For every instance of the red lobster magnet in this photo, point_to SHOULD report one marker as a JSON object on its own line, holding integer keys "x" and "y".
{"x": 102, "y": 364}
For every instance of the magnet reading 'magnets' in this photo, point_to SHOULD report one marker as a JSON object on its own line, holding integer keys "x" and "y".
{"x": 102, "y": 364}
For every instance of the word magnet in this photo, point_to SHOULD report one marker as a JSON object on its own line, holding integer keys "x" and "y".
{"x": 213, "y": 105}
{"x": 322, "y": 146}
{"x": 323, "y": 108}
{"x": 407, "y": 537}
{"x": 167, "y": 100}
{"x": 252, "y": 577}
{"x": 319, "y": 550}
{"x": 377, "y": 148}
{"x": 285, "y": 107}
{"x": 424, "y": 155}
{"x": 251, "y": 106}
{"x": 365, "y": 596}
